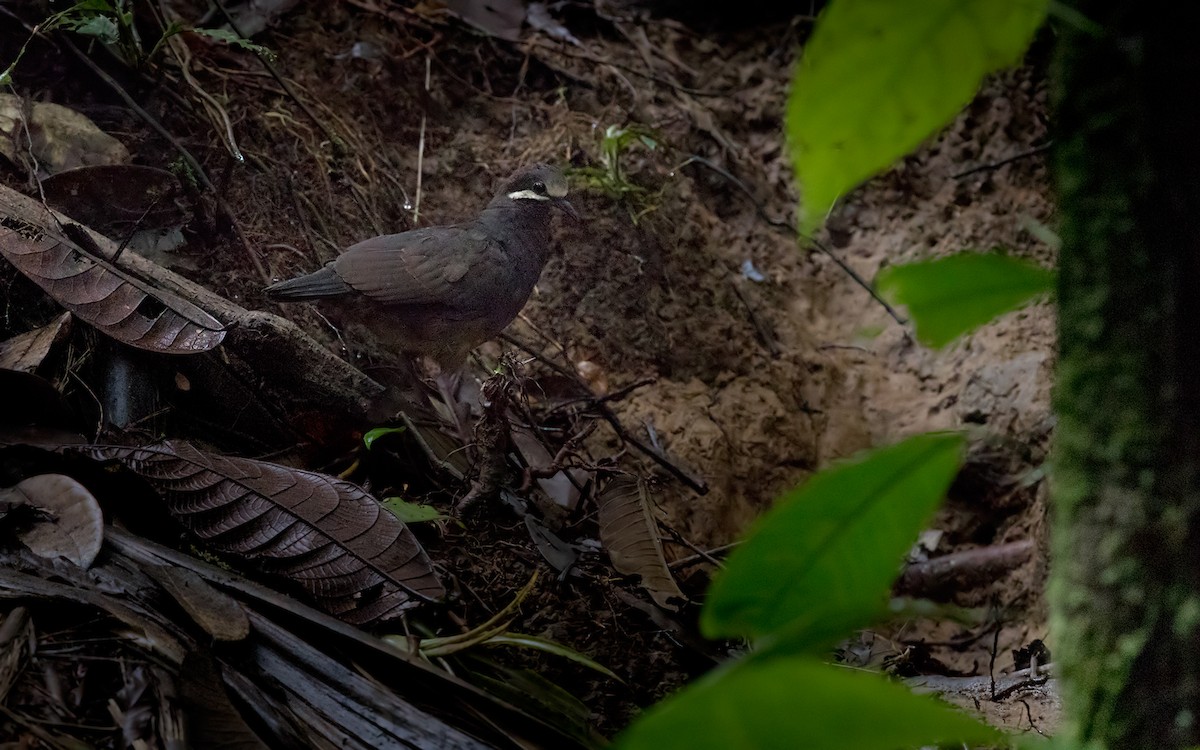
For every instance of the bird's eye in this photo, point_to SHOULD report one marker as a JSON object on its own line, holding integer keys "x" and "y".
{"x": 539, "y": 187}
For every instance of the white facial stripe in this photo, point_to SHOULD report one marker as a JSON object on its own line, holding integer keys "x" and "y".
{"x": 519, "y": 194}
{"x": 557, "y": 191}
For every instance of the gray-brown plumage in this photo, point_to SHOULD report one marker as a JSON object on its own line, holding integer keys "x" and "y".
{"x": 442, "y": 291}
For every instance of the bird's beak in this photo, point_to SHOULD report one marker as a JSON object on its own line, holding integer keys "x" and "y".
{"x": 565, "y": 206}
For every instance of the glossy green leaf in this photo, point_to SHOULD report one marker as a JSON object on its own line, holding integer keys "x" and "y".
{"x": 373, "y": 435}
{"x": 821, "y": 563}
{"x": 880, "y": 76}
{"x": 412, "y": 512}
{"x": 236, "y": 40}
{"x": 951, "y": 296}
{"x": 797, "y": 702}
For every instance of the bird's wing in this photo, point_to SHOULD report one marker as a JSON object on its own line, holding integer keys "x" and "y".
{"x": 423, "y": 266}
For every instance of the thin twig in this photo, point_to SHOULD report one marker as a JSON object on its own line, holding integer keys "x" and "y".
{"x": 616, "y": 395}
{"x": 197, "y": 170}
{"x": 1029, "y": 715}
{"x": 681, "y": 540}
{"x": 648, "y": 76}
{"x": 1006, "y": 161}
{"x": 421, "y": 145}
{"x": 992, "y": 657}
{"x": 1031, "y": 682}
{"x": 766, "y": 336}
{"x": 687, "y": 562}
{"x": 695, "y": 483}
{"x": 788, "y": 228}
{"x": 157, "y": 126}
{"x": 329, "y": 134}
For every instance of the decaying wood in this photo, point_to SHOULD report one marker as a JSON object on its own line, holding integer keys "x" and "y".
{"x": 288, "y": 366}
{"x": 309, "y": 679}
{"x": 963, "y": 571}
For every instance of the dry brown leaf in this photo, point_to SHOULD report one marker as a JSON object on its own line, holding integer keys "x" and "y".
{"x": 25, "y": 352}
{"x": 221, "y": 616}
{"x": 630, "y": 534}
{"x": 71, "y": 525}
{"x": 111, "y": 299}
{"x": 355, "y": 558}
{"x": 62, "y": 138}
{"x": 500, "y": 18}
{"x": 17, "y": 637}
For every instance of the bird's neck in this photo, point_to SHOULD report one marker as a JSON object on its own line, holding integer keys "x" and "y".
{"x": 527, "y": 219}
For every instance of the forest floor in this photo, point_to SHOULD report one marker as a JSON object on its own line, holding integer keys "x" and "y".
{"x": 756, "y": 360}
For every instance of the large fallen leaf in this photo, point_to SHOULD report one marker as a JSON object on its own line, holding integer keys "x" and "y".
{"x": 630, "y": 534}
{"x": 384, "y": 676}
{"x": 71, "y": 525}
{"x": 356, "y": 559}
{"x": 111, "y": 299}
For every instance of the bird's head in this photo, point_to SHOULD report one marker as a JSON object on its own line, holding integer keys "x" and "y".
{"x": 541, "y": 184}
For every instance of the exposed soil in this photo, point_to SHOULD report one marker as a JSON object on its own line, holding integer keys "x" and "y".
{"x": 756, "y": 382}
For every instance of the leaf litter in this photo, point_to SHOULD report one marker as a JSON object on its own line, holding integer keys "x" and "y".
{"x": 634, "y": 300}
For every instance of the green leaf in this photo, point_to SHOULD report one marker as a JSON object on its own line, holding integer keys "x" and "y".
{"x": 100, "y": 27}
{"x": 951, "y": 296}
{"x": 412, "y": 512}
{"x": 821, "y": 562}
{"x": 550, "y": 647}
{"x": 373, "y": 435}
{"x": 879, "y": 76}
{"x": 228, "y": 37}
{"x": 797, "y": 702}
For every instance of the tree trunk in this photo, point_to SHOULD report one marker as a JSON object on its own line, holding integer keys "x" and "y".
{"x": 1125, "y": 590}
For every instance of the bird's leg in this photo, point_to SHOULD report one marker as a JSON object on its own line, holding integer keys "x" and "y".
{"x": 447, "y": 385}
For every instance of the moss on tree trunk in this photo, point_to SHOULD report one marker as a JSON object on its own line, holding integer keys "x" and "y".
{"x": 1125, "y": 589}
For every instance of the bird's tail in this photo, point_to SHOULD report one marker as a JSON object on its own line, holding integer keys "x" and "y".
{"x": 318, "y": 284}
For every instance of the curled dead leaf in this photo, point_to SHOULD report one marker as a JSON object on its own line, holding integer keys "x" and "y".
{"x": 630, "y": 534}
{"x": 71, "y": 524}
{"x": 115, "y": 199}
